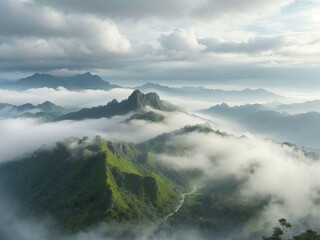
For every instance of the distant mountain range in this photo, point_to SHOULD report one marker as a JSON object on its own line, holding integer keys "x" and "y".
{"x": 77, "y": 82}
{"x": 136, "y": 102}
{"x": 94, "y": 82}
{"x": 46, "y": 110}
{"x": 213, "y": 94}
{"x": 309, "y": 106}
{"x": 302, "y": 129}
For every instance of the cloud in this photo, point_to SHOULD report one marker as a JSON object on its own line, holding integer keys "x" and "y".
{"x": 180, "y": 40}
{"x": 136, "y": 40}
{"x": 16, "y": 132}
{"x": 183, "y": 41}
{"x": 252, "y": 46}
{"x": 267, "y": 169}
{"x": 125, "y": 9}
{"x": 240, "y": 9}
{"x": 48, "y": 24}
{"x": 52, "y": 40}
{"x": 168, "y": 9}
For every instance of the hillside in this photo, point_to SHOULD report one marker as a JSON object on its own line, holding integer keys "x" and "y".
{"x": 82, "y": 182}
{"x": 136, "y": 102}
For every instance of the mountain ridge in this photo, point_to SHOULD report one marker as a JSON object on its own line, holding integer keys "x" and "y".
{"x": 302, "y": 128}
{"x": 76, "y": 82}
{"x": 46, "y": 110}
{"x": 210, "y": 94}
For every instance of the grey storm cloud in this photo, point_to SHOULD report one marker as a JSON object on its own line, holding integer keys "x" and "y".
{"x": 127, "y": 9}
{"x": 33, "y": 36}
{"x": 48, "y": 35}
{"x": 217, "y": 8}
{"x": 166, "y": 8}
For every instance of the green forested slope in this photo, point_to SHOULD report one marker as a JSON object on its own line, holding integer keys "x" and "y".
{"x": 80, "y": 183}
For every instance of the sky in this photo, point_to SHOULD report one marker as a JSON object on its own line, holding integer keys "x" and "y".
{"x": 213, "y": 41}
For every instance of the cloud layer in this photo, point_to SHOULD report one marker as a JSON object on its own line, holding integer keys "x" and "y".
{"x": 149, "y": 39}
{"x": 266, "y": 168}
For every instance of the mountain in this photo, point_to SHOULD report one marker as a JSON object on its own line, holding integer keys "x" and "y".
{"x": 88, "y": 81}
{"x": 39, "y": 81}
{"x": 213, "y": 94}
{"x": 81, "y": 182}
{"x": 77, "y": 82}
{"x": 136, "y": 102}
{"x": 46, "y": 110}
{"x": 309, "y": 106}
{"x": 302, "y": 129}
{"x": 50, "y": 107}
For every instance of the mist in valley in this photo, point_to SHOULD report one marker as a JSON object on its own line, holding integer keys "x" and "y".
{"x": 284, "y": 175}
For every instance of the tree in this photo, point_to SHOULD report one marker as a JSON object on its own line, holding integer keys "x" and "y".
{"x": 279, "y": 231}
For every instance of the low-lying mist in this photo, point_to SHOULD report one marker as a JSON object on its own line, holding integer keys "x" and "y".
{"x": 281, "y": 173}
{"x": 63, "y": 97}
{"x": 24, "y": 135}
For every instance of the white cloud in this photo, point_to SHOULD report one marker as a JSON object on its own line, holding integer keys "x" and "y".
{"x": 134, "y": 40}
{"x": 42, "y": 23}
{"x": 180, "y": 40}
{"x": 252, "y": 46}
{"x": 268, "y": 169}
{"x": 50, "y": 39}
{"x": 16, "y": 132}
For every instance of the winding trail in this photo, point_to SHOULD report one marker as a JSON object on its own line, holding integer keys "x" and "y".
{"x": 183, "y": 198}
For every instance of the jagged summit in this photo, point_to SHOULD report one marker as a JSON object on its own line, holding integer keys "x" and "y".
{"x": 136, "y": 102}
